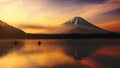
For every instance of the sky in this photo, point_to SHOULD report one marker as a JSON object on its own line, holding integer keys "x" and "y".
{"x": 35, "y": 16}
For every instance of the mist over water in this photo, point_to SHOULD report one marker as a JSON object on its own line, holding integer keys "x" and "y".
{"x": 72, "y": 53}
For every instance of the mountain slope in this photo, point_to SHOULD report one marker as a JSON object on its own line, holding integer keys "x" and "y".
{"x": 79, "y": 25}
{"x": 113, "y": 26}
{"x": 8, "y": 31}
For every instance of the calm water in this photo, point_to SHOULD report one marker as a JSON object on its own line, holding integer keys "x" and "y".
{"x": 64, "y": 53}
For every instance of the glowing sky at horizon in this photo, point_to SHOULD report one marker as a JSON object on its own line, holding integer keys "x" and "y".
{"x": 55, "y": 12}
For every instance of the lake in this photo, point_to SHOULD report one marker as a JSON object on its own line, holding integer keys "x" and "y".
{"x": 60, "y": 53}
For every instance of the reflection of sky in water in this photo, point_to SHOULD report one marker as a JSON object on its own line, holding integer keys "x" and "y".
{"x": 53, "y": 54}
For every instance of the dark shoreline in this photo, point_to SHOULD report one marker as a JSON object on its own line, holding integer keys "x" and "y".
{"x": 67, "y": 36}
{"x": 73, "y": 36}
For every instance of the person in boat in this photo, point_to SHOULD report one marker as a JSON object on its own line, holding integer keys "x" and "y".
{"x": 39, "y": 43}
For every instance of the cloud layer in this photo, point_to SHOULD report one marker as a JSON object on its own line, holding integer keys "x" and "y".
{"x": 55, "y": 12}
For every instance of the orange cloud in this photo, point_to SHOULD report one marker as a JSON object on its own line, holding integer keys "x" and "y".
{"x": 51, "y": 13}
{"x": 111, "y": 26}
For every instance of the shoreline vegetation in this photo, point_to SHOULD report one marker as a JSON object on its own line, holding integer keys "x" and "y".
{"x": 72, "y": 36}
{"x": 65, "y": 36}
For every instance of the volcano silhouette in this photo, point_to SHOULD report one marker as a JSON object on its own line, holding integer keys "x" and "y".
{"x": 79, "y": 25}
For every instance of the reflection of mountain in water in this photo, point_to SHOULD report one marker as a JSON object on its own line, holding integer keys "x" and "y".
{"x": 7, "y": 46}
{"x": 87, "y": 52}
{"x": 82, "y": 48}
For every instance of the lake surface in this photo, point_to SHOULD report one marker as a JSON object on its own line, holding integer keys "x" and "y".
{"x": 60, "y": 53}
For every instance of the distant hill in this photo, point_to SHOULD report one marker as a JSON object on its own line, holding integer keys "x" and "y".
{"x": 8, "y": 31}
{"x": 79, "y": 25}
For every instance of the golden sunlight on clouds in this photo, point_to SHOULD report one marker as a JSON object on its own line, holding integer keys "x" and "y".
{"x": 111, "y": 26}
{"x": 49, "y": 13}
{"x": 4, "y": 0}
{"x": 33, "y": 30}
{"x": 101, "y": 8}
{"x": 30, "y": 11}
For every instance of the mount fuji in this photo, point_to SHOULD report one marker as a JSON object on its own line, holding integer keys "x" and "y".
{"x": 79, "y": 25}
{"x": 8, "y": 31}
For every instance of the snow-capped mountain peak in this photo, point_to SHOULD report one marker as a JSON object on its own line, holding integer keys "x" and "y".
{"x": 80, "y": 25}
{"x": 77, "y": 21}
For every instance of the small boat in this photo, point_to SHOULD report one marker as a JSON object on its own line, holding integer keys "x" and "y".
{"x": 15, "y": 42}
{"x": 39, "y": 43}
